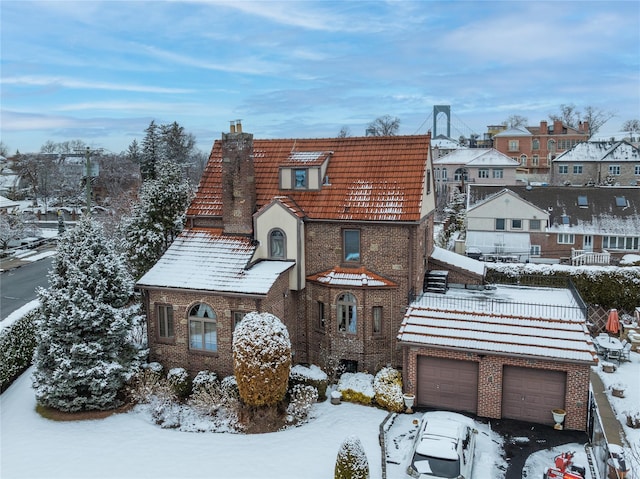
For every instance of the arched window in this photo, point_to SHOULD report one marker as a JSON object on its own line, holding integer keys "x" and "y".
{"x": 277, "y": 244}
{"x": 461, "y": 174}
{"x": 523, "y": 159}
{"x": 203, "y": 328}
{"x": 346, "y": 311}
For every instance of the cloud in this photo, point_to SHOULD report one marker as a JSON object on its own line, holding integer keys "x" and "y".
{"x": 54, "y": 81}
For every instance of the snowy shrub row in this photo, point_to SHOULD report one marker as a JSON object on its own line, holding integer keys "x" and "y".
{"x": 608, "y": 286}
{"x": 301, "y": 399}
{"x": 17, "y": 344}
{"x": 383, "y": 389}
{"x": 310, "y": 376}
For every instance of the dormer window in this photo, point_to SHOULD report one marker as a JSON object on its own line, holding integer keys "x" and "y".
{"x": 301, "y": 178}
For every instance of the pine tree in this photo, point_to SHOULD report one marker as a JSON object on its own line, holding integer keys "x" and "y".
{"x": 150, "y": 152}
{"x": 157, "y": 219}
{"x": 351, "y": 462}
{"x": 84, "y": 351}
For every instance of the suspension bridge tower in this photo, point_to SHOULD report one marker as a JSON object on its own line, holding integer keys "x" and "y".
{"x": 445, "y": 110}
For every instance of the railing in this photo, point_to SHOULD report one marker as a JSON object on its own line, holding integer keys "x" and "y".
{"x": 502, "y": 307}
{"x": 580, "y": 257}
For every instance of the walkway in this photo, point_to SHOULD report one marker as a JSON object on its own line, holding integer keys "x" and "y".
{"x": 613, "y": 431}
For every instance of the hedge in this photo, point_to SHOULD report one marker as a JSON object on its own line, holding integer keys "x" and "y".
{"x": 17, "y": 344}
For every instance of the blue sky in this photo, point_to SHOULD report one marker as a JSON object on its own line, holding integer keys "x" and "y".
{"x": 100, "y": 71}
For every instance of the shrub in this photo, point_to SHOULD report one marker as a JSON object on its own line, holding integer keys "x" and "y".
{"x": 179, "y": 381}
{"x": 261, "y": 359}
{"x": 17, "y": 344}
{"x": 230, "y": 389}
{"x": 311, "y": 376}
{"x": 387, "y": 386}
{"x": 302, "y": 398}
{"x": 633, "y": 419}
{"x": 356, "y": 387}
{"x": 145, "y": 383}
{"x": 351, "y": 462}
{"x": 208, "y": 395}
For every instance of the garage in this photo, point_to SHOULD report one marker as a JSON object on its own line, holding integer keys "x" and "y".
{"x": 530, "y": 394}
{"x": 447, "y": 384}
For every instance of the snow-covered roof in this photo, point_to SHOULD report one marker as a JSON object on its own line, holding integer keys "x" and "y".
{"x": 353, "y": 277}
{"x": 514, "y": 132}
{"x": 205, "y": 260}
{"x": 477, "y": 157}
{"x": 605, "y": 151}
{"x": 7, "y": 203}
{"x": 516, "y": 321}
{"x": 455, "y": 259}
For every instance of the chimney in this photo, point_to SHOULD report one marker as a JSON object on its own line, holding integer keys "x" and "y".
{"x": 543, "y": 128}
{"x": 232, "y": 127}
{"x": 238, "y": 181}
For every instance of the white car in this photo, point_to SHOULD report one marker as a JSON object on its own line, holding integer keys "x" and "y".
{"x": 443, "y": 447}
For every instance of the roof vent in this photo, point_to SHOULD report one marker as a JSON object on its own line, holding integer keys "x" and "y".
{"x": 326, "y": 181}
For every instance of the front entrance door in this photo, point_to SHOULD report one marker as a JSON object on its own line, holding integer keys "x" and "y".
{"x": 587, "y": 243}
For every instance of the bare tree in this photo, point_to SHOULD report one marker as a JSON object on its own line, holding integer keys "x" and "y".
{"x": 4, "y": 149}
{"x": 344, "y": 132}
{"x": 571, "y": 117}
{"x": 384, "y": 126}
{"x": 516, "y": 121}
{"x": 631, "y": 126}
{"x": 568, "y": 115}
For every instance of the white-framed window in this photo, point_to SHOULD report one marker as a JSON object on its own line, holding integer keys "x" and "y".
{"x": 563, "y": 169}
{"x": 498, "y": 173}
{"x": 534, "y": 225}
{"x": 628, "y": 243}
{"x": 444, "y": 174}
{"x": 461, "y": 174}
{"x": 203, "y": 328}
{"x": 516, "y": 224}
{"x": 636, "y": 170}
{"x": 346, "y": 310}
{"x": 577, "y": 169}
{"x": 535, "y": 144}
{"x": 614, "y": 170}
{"x": 523, "y": 159}
{"x": 535, "y": 160}
{"x": 351, "y": 245}
{"x": 164, "y": 315}
{"x": 483, "y": 173}
{"x": 500, "y": 224}
{"x": 565, "y": 238}
{"x": 376, "y": 313}
{"x": 535, "y": 250}
{"x": 514, "y": 145}
{"x": 277, "y": 242}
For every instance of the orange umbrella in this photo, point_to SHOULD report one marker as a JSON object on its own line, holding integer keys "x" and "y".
{"x": 613, "y": 323}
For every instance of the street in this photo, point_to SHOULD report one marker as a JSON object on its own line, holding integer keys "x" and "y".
{"x": 18, "y": 286}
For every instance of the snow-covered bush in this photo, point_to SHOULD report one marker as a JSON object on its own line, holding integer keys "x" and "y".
{"x": 83, "y": 355}
{"x": 17, "y": 344}
{"x": 261, "y": 359}
{"x": 145, "y": 382}
{"x": 357, "y": 387}
{"x": 351, "y": 462}
{"x": 230, "y": 390}
{"x": 633, "y": 419}
{"x": 208, "y": 395}
{"x": 179, "y": 381}
{"x": 302, "y": 397}
{"x": 312, "y": 376}
{"x": 387, "y": 386}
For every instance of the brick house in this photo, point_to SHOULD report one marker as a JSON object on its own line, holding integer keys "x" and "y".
{"x": 535, "y": 147}
{"x": 584, "y": 225}
{"x": 598, "y": 163}
{"x": 473, "y": 351}
{"x": 332, "y": 235}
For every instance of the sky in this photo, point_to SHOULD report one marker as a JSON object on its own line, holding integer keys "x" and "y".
{"x": 101, "y": 71}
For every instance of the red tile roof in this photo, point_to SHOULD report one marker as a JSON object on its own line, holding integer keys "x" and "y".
{"x": 370, "y": 178}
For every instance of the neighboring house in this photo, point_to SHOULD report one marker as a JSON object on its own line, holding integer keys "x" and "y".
{"x": 473, "y": 165}
{"x": 442, "y": 145}
{"x": 536, "y": 147}
{"x": 585, "y": 225}
{"x": 500, "y": 224}
{"x": 598, "y": 163}
{"x": 7, "y": 205}
{"x": 332, "y": 235}
{"x": 507, "y": 352}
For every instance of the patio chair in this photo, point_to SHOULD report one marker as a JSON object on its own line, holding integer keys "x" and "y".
{"x": 613, "y": 355}
{"x": 626, "y": 352}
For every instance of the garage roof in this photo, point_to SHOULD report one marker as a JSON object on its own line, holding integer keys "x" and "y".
{"x": 460, "y": 326}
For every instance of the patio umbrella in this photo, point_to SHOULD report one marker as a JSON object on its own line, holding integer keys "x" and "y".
{"x": 613, "y": 323}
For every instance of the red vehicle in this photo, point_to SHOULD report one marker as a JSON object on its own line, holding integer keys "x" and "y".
{"x": 564, "y": 468}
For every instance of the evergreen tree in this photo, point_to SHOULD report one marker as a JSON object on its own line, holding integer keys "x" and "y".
{"x": 150, "y": 151}
{"x": 177, "y": 145}
{"x": 157, "y": 219}
{"x": 84, "y": 353}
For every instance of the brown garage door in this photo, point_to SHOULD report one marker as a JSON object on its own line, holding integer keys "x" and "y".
{"x": 531, "y": 394}
{"x": 447, "y": 384}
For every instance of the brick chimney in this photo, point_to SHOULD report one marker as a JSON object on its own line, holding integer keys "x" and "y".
{"x": 238, "y": 181}
{"x": 543, "y": 128}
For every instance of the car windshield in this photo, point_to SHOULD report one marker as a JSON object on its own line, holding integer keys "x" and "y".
{"x": 436, "y": 466}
